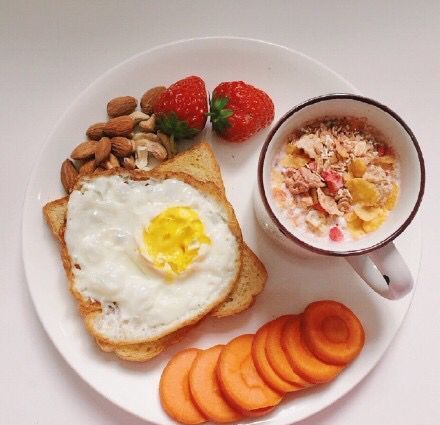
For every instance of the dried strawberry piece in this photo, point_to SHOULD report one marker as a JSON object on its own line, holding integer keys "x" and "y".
{"x": 318, "y": 207}
{"x": 336, "y": 234}
{"x": 333, "y": 180}
{"x": 381, "y": 150}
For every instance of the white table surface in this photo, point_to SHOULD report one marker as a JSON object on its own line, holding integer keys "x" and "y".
{"x": 51, "y": 50}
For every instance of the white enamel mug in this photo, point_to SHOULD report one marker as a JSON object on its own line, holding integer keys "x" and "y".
{"x": 374, "y": 256}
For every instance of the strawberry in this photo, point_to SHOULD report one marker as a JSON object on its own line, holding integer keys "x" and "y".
{"x": 333, "y": 180}
{"x": 181, "y": 109}
{"x": 239, "y": 110}
{"x": 336, "y": 234}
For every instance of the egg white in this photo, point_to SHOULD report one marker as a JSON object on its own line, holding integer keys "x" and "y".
{"x": 105, "y": 221}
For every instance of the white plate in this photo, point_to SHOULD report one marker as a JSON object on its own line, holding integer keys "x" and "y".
{"x": 289, "y": 77}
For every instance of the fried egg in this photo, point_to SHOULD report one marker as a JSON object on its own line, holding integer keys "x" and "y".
{"x": 156, "y": 254}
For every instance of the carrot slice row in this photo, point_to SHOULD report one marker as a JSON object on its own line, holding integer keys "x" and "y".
{"x": 332, "y": 332}
{"x": 205, "y": 388}
{"x": 240, "y": 382}
{"x": 249, "y": 376}
{"x": 263, "y": 366}
{"x": 276, "y": 355}
{"x": 175, "y": 395}
{"x": 302, "y": 360}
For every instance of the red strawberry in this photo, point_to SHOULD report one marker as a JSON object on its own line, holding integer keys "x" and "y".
{"x": 336, "y": 234}
{"x": 333, "y": 180}
{"x": 182, "y": 108}
{"x": 239, "y": 110}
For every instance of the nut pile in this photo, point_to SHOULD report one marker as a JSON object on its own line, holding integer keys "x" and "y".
{"x": 336, "y": 174}
{"x": 128, "y": 139}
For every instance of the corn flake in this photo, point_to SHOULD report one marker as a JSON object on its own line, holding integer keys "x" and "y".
{"x": 372, "y": 225}
{"x": 363, "y": 191}
{"x": 390, "y": 203}
{"x": 366, "y": 213}
{"x": 277, "y": 178}
{"x": 347, "y": 177}
{"x": 291, "y": 149}
{"x": 354, "y": 225}
{"x": 297, "y": 161}
{"x": 385, "y": 160}
{"x": 357, "y": 167}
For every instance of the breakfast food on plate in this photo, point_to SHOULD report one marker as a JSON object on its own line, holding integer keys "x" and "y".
{"x": 156, "y": 251}
{"x": 182, "y": 108}
{"x": 335, "y": 178}
{"x": 135, "y": 139}
{"x": 174, "y": 389}
{"x": 245, "y": 383}
{"x": 277, "y": 356}
{"x": 333, "y": 332}
{"x": 263, "y": 366}
{"x": 205, "y": 389}
{"x": 239, "y": 110}
{"x": 302, "y": 360}
{"x": 123, "y": 242}
{"x": 239, "y": 380}
{"x": 142, "y": 139}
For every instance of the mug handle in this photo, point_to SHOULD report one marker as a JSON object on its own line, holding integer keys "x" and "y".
{"x": 385, "y": 271}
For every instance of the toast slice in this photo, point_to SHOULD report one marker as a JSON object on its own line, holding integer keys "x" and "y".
{"x": 200, "y": 163}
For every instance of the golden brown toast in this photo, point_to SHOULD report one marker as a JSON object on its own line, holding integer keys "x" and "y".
{"x": 200, "y": 163}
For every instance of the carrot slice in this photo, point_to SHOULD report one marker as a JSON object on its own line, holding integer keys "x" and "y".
{"x": 240, "y": 382}
{"x": 332, "y": 332}
{"x": 263, "y": 366}
{"x": 276, "y": 355}
{"x": 175, "y": 395}
{"x": 302, "y": 360}
{"x": 205, "y": 389}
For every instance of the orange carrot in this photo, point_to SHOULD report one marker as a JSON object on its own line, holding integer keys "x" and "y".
{"x": 263, "y": 366}
{"x": 240, "y": 382}
{"x": 276, "y": 355}
{"x": 332, "y": 332}
{"x": 205, "y": 389}
{"x": 302, "y": 360}
{"x": 174, "y": 389}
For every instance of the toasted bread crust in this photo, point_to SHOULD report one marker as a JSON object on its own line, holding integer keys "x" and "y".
{"x": 249, "y": 282}
{"x": 91, "y": 314}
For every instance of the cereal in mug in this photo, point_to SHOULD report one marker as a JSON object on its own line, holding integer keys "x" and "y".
{"x": 336, "y": 178}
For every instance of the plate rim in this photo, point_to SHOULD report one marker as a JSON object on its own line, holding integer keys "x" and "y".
{"x": 63, "y": 115}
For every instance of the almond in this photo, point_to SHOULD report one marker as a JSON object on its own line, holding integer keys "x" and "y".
{"x": 123, "y": 105}
{"x": 95, "y": 131}
{"x": 69, "y": 175}
{"x": 149, "y": 99}
{"x": 88, "y": 167}
{"x": 121, "y": 146}
{"x": 84, "y": 150}
{"x": 129, "y": 163}
{"x": 120, "y": 126}
{"x": 102, "y": 150}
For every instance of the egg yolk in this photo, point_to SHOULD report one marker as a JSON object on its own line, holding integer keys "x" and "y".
{"x": 173, "y": 239}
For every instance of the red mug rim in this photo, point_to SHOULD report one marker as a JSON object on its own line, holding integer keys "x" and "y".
{"x": 304, "y": 244}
